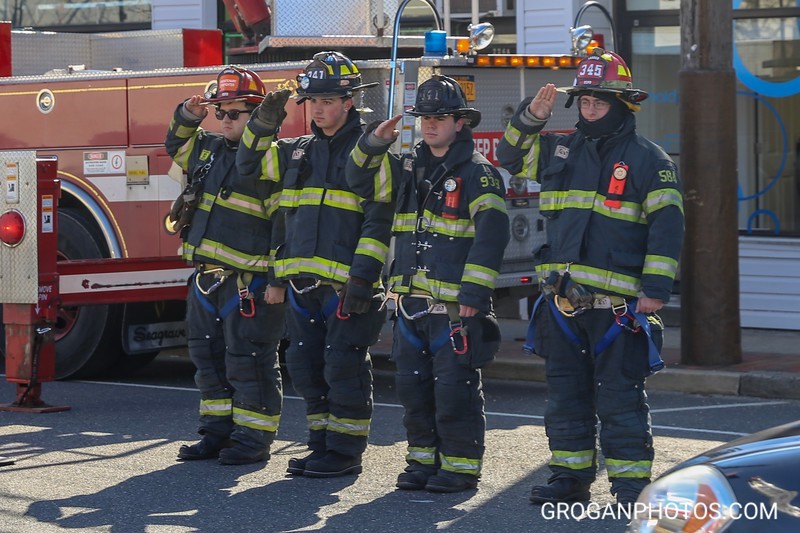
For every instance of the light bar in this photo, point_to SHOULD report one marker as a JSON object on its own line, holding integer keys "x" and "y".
{"x": 527, "y": 61}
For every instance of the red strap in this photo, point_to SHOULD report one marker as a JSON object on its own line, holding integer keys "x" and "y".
{"x": 617, "y": 185}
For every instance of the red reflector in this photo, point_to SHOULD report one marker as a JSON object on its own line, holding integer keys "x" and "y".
{"x": 525, "y": 279}
{"x": 12, "y": 227}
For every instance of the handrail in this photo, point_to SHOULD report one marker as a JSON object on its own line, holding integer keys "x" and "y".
{"x": 393, "y": 61}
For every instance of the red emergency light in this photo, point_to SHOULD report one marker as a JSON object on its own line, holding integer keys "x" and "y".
{"x": 12, "y": 228}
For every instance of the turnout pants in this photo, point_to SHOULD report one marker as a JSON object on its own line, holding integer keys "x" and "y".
{"x": 330, "y": 366}
{"x": 584, "y": 386}
{"x": 236, "y": 357}
{"x": 442, "y": 397}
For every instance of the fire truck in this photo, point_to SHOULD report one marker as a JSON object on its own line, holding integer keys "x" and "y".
{"x": 100, "y": 105}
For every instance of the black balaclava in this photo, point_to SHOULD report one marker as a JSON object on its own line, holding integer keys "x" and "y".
{"x": 609, "y": 123}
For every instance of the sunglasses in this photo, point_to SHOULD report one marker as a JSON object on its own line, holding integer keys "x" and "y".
{"x": 232, "y": 113}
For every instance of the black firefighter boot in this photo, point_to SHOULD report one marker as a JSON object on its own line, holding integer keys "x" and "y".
{"x": 333, "y": 464}
{"x": 208, "y": 448}
{"x": 297, "y": 465}
{"x": 561, "y": 489}
{"x": 445, "y": 481}
{"x": 239, "y": 454}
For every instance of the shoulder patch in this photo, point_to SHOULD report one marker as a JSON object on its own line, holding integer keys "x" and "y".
{"x": 205, "y": 154}
{"x": 562, "y": 151}
{"x": 408, "y": 163}
{"x": 298, "y": 153}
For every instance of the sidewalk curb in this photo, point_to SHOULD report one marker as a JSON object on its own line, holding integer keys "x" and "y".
{"x": 691, "y": 381}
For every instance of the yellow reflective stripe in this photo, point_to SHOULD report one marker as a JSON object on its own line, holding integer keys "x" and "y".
{"x": 425, "y": 456}
{"x": 479, "y": 275}
{"x": 461, "y": 465}
{"x": 512, "y": 135}
{"x": 486, "y": 201}
{"x": 270, "y": 163}
{"x": 272, "y": 203}
{"x": 383, "y": 182}
{"x": 596, "y": 277}
{"x": 573, "y": 460}
{"x": 225, "y": 254}
{"x": 349, "y": 426}
{"x": 530, "y": 163}
{"x": 248, "y": 137}
{"x": 323, "y": 268}
{"x": 372, "y": 248}
{"x": 255, "y": 420}
{"x": 183, "y": 132}
{"x": 627, "y": 211}
{"x": 662, "y": 198}
{"x": 307, "y": 196}
{"x": 181, "y": 156}
{"x": 317, "y": 421}
{"x": 359, "y": 157}
{"x": 447, "y": 292}
{"x": 629, "y": 469}
{"x": 573, "y": 198}
{"x": 343, "y": 200}
{"x": 404, "y": 222}
{"x": 446, "y": 226}
{"x": 660, "y": 265}
{"x": 243, "y": 204}
{"x": 221, "y": 407}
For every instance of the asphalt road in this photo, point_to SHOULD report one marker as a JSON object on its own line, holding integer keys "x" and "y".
{"x": 108, "y": 464}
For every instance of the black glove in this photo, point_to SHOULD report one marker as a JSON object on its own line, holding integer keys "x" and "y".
{"x": 356, "y": 296}
{"x": 270, "y": 113}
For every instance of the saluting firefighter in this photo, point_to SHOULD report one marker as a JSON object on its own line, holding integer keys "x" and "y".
{"x": 334, "y": 249}
{"x": 235, "y": 318}
{"x": 614, "y": 211}
{"x": 450, "y": 228}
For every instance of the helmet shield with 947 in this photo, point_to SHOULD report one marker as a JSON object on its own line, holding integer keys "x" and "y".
{"x": 605, "y": 72}
{"x": 329, "y": 75}
{"x": 442, "y": 95}
{"x": 236, "y": 84}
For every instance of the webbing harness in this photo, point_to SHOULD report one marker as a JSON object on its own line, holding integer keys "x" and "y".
{"x": 454, "y": 331}
{"x": 327, "y": 310}
{"x": 622, "y": 322}
{"x": 245, "y": 292}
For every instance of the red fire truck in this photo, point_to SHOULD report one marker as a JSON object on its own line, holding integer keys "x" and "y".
{"x": 120, "y": 284}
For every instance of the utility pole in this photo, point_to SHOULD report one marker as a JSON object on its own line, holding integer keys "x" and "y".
{"x": 710, "y": 323}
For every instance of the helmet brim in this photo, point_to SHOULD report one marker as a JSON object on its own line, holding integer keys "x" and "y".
{"x": 251, "y": 99}
{"x": 633, "y": 96}
{"x": 301, "y": 95}
{"x": 471, "y": 115}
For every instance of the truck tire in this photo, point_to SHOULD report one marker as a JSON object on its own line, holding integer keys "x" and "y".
{"x": 87, "y": 337}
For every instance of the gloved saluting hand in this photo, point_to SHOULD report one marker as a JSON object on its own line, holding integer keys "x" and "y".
{"x": 356, "y": 296}
{"x": 270, "y": 113}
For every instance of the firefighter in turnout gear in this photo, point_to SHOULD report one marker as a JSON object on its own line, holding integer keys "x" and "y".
{"x": 235, "y": 318}
{"x": 450, "y": 228}
{"x": 614, "y": 211}
{"x": 332, "y": 256}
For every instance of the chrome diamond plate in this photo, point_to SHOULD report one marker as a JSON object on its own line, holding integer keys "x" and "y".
{"x": 19, "y": 280}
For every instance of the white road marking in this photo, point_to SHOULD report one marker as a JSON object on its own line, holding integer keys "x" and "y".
{"x": 495, "y": 413}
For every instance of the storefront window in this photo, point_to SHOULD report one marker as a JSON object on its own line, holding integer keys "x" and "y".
{"x": 766, "y": 58}
{"x": 77, "y": 15}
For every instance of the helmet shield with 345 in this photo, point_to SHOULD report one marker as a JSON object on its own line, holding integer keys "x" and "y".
{"x": 605, "y": 72}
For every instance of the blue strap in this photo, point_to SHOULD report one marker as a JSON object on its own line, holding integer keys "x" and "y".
{"x": 438, "y": 343}
{"x": 653, "y": 355}
{"x": 232, "y": 303}
{"x": 327, "y": 310}
{"x": 410, "y": 336}
{"x": 529, "y": 347}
